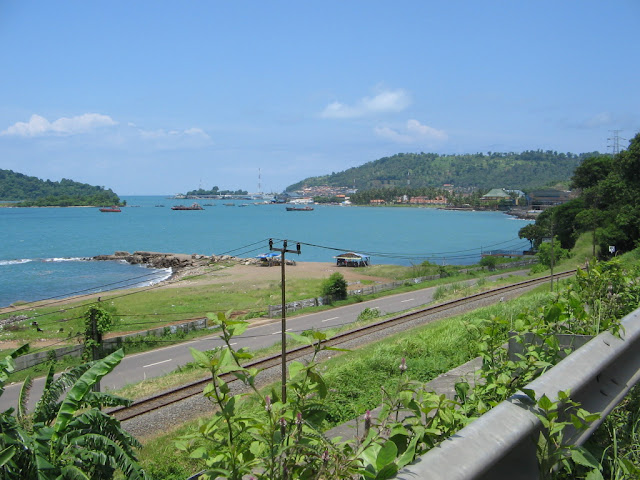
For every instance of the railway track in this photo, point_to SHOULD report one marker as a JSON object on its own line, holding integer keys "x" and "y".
{"x": 176, "y": 395}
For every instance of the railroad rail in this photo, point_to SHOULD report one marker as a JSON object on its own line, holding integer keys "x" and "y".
{"x": 176, "y": 395}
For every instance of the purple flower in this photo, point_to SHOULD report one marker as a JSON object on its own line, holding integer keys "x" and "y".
{"x": 299, "y": 419}
{"x": 367, "y": 421}
{"x": 267, "y": 403}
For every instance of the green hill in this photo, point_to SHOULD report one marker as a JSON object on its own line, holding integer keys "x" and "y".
{"x": 524, "y": 171}
{"x": 32, "y": 191}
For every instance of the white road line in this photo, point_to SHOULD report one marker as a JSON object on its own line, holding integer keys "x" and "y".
{"x": 157, "y": 363}
{"x": 329, "y": 319}
{"x": 410, "y": 300}
{"x": 275, "y": 333}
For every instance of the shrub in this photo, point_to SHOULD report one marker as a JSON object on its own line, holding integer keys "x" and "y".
{"x": 369, "y": 314}
{"x": 335, "y": 287}
{"x": 489, "y": 262}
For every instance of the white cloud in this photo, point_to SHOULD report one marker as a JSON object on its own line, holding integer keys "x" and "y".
{"x": 386, "y": 101}
{"x": 161, "y": 134}
{"x": 125, "y": 135}
{"x": 39, "y": 126}
{"x": 412, "y": 132}
{"x": 601, "y": 119}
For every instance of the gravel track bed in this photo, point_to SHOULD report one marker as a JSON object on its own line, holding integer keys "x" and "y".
{"x": 164, "y": 420}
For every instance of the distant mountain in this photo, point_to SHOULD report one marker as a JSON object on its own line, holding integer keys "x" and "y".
{"x": 523, "y": 171}
{"x": 32, "y": 191}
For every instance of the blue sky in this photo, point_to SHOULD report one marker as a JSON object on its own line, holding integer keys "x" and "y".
{"x": 157, "y": 97}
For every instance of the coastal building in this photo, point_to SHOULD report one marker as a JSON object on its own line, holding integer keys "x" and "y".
{"x": 499, "y": 195}
{"x": 543, "y": 199}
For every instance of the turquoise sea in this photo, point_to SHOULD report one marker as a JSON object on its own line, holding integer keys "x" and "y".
{"x": 43, "y": 251}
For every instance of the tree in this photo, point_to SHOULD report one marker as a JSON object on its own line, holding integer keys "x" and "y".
{"x": 591, "y": 171}
{"x": 534, "y": 233}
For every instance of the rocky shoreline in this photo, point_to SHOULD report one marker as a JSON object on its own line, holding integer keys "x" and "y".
{"x": 177, "y": 262}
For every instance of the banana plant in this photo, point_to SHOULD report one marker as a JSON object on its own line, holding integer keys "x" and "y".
{"x": 67, "y": 436}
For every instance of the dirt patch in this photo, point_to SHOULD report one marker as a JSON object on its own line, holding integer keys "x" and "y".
{"x": 259, "y": 274}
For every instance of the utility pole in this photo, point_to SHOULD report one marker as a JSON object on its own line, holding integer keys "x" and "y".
{"x": 282, "y": 251}
{"x": 552, "y": 254}
{"x": 96, "y": 349}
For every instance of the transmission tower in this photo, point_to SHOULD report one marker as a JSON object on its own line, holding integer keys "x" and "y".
{"x": 615, "y": 142}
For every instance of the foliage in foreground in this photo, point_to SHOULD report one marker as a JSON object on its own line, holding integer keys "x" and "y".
{"x": 284, "y": 439}
{"x": 66, "y": 436}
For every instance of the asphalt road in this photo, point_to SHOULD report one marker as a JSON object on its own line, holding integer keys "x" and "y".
{"x": 155, "y": 363}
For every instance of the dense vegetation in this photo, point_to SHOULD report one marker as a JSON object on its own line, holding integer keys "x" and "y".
{"x": 34, "y": 192}
{"x": 526, "y": 170}
{"x": 217, "y": 191}
{"x": 608, "y": 206}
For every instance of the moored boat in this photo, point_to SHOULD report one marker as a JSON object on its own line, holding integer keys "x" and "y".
{"x": 111, "y": 209}
{"x": 194, "y": 206}
{"x": 299, "y": 209}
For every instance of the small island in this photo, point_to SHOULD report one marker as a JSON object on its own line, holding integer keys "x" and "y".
{"x": 19, "y": 190}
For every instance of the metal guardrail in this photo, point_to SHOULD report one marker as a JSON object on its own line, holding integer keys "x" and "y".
{"x": 502, "y": 443}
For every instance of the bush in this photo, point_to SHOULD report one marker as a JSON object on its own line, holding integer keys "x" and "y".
{"x": 335, "y": 287}
{"x": 545, "y": 253}
{"x": 489, "y": 262}
{"x": 368, "y": 314}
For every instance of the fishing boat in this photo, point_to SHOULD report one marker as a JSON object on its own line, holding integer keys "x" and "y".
{"x": 299, "y": 209}
{"x": 111, "y": 209}
{"x": 194, "y": 206}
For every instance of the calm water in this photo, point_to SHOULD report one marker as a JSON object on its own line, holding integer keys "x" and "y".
{"x": 41, "y": 249}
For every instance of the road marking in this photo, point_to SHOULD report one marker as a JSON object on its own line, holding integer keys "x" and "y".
{"x": 329, "y": 319}
{"x": 410, "y": 300}
{"x": 157, "y": 363}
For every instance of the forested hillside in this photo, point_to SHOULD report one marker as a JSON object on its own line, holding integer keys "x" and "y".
{"x": 32, "y": 191}
{"x": 526, "y": 170}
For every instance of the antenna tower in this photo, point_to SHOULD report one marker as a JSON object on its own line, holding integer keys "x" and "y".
{"x": 259, "y": 181}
